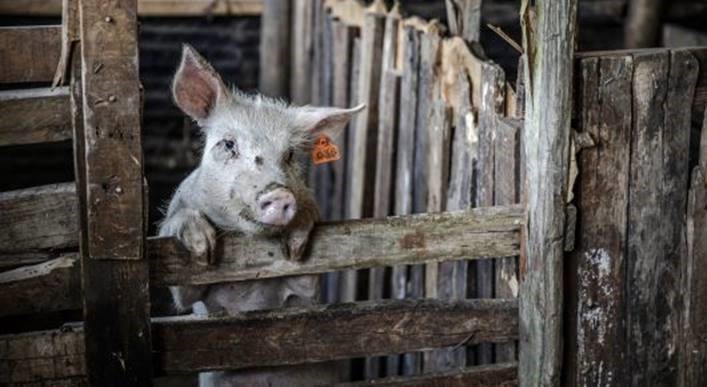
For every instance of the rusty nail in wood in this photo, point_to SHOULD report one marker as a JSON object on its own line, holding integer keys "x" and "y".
{"x": 118, "y": 190}
{"x": 108, "y": 19}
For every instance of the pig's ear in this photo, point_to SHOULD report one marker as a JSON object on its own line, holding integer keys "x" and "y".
{"x": 324, "y": 120}
{"x": 197, "y": 89}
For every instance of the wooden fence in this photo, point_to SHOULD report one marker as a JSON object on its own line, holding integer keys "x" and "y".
{"x": 442, "y": 133}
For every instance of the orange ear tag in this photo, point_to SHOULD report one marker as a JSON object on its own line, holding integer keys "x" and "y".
{"x": 324, "y": 151}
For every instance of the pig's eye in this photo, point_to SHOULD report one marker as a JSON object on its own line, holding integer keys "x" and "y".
{"x": 289, "y": 156}
{"x": 229, "y": 144}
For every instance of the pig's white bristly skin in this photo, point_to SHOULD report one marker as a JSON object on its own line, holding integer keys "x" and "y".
{"x": 221, "y": 193}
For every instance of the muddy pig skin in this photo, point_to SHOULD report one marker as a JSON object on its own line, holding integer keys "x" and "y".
{"x": 248, "y": 181}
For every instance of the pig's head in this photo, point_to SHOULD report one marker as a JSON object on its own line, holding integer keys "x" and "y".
{"x": 249, "y": 179}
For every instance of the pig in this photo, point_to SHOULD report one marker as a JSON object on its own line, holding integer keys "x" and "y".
{"x": 248, "y": 181}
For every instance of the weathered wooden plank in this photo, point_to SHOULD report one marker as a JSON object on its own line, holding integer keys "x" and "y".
{"x": 39, "y": 218}
{"x": 341, "y": 92}
{"x": 347, "y": 245}
{"x": 657, "y": 202}
{"x": 274, "y": 48}
{"x": 700, "y": 53}
{"x": 108, "y": 160}
{"x": 494, "y": 375}
{"x": 50, "y": 286}
{"x": 29, "y": 54}
{"x": 389, "y": 99}
{"x": 604, "y": 99}
{"x": 363, "y": 153}
{"x": 366, "y": 243}
{"x": 42, "y": 357}
{"x": 464, "y": 18}
{"x": 548, "y": 40}
{"x": 169, "y": 8}
{"x": 692, "y": 366}
{"x": 113, "y": 156}
{"x": 506, "y": 192}
{"x": 301, "y": 54}
{"x": 275, "y": 338}
{"x": 492, "y": 106}
{"x": 349, "y": 279}
{"x": 405, "y": 156}
{"x": 34, "y": 115}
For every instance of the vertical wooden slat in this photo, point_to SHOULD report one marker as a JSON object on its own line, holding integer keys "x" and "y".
{"x": 438, "y": 162}
{"x": 275, "y": 48}
{"x": 384, "y": 174}
{"x": 693, "y": 356}
{"x": 342, "y": 76}
{"x": 492, "y": 105}
{"x": 301, "y": 54}
{"x": 110, "y": 186}
{"x": 548, "y": 40}
{"x": 506, "y": 192}
{"x": 348, "y": 281}
{"x": 405, "y": 155}
{"x": 600, "y": 253}
{"x": 657, "y": 202}
{"x": 643, "y": 23}
{"x": 365, "y": 132}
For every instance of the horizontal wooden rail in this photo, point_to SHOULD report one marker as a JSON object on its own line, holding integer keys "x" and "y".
{"x": 38, "y": 218}
{"x": 352, "y": 244}
{"x": 28, "y": 54}
{"x": 502, "y": 374}
{"x": 283, "y": 337}
{"x": 34, "y": 115}
{"x": 46, "y": 287}
{"x": 145, "y": 7}
{"x": 358, "y": 244}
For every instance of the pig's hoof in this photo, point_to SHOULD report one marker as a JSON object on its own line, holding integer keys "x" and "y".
{"x": 199, "y": 237}
{"x": 295, "y": 245}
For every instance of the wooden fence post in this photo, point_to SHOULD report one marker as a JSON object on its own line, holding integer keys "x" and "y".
{"x": 275, "y": 48}
{"x": 548, "y": 40}
{"x": 693, "y": 358}
{"x": 109, "y": 177}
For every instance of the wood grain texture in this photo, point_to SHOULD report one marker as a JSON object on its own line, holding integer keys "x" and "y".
{"x": 506, "y": 192}
{"x": 169, "y": 8}
{"x": 349, "y": 278}
{"x": 491, "y": 108}
{"x": 39, "y": 218}
{"x": 29, "y": 54}
{"x": 548, "y": 40}
{"x": 46, "y": 287}
{"x": 692, "y": 366}
{"x": 495, "y": 375}
{"x": 275, "y": 338}
{"x": 275, "y": 48}
{"x": 656, "y": 213}
{"x": 113, "y": 157}
{"x": 301, "y": 54}
{"x": 34, "y": 115}
{"x": 363, "y": 153}
{"x": 347, "y": 245}
{"x": 604, "y": 99}
{"x": 108, "y": 168}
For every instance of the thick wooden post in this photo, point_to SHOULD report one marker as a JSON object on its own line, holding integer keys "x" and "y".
{"x": 275, "y": 48}
{"x": 548, "y": 38}
{"x": 109, "y": 180}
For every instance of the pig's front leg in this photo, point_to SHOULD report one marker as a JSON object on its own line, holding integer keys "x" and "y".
{"x": 199, "y": 237}
{"x": 297, "y": 234}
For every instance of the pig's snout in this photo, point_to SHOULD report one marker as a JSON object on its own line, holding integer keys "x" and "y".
{"x": 276, "y": 207}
